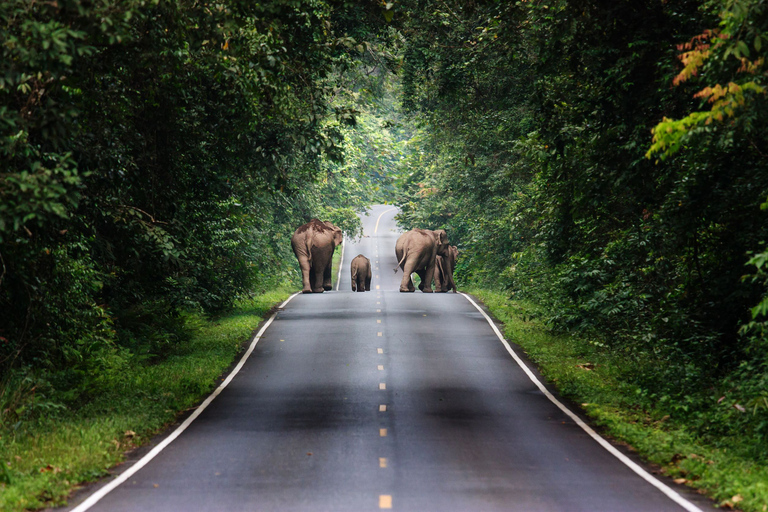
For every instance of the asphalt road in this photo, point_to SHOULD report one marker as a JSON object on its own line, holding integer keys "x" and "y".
{"x": 379, "y": 400}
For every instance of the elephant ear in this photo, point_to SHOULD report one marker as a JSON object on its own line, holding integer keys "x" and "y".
{"x": 442, "y": 236}
{"x": 338, "y": 236}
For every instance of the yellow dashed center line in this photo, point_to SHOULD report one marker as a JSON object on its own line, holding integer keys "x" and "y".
{"x": 385, "y": 500}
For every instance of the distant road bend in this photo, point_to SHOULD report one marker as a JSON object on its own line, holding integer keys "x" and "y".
{"x": 384, "y": 400}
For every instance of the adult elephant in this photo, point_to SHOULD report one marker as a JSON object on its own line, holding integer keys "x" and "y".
{"x": 444, "y": 267}
{"x": 314, "y": 244}
{"x": 416, "y": 251}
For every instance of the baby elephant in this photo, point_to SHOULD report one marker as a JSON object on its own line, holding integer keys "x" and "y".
{"x": 361, "y": 274}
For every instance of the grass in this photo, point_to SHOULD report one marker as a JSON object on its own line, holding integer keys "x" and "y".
{"x": 44, "y": 461}
{"x": 335, "y": 262}
{"x": 591, "y": 377}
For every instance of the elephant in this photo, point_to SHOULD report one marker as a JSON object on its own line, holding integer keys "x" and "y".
{"x": 444, "y": 267}
{"x": 313, "y": 244}
{"x": 416, "y": 251}
{"x": 361, "y": 274}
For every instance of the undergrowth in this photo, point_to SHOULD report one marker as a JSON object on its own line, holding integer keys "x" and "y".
{"x": 60, "y": 445}
{"x": 663, "y": 431}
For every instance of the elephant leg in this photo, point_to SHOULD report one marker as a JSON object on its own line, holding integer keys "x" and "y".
{"x": 442, "y": 276}
{"x": 368, "y": 280}
{"x": 354, "y": 284}
{"x": 327, "y": 276}
{"x": 439, "y": 281}
{"x": 429, "y": 274}
{"x": 314, "y": 277}
{"x": 360, "y": 283}
{"x": 420, "y": 273}
{"x": 306, "y": 278}
{"x": 317, "y": 279}
{"x": 406, "y": 285}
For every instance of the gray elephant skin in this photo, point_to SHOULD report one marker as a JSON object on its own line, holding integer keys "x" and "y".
{"x": 361, "y": 274}
{"x": 416, "y": 251}
{"x": 444, "y": 267}
{"x": 313, "y": 244}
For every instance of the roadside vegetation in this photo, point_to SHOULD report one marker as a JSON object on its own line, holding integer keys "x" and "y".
{"x": 602, "y": 168}
{"x": 45, "y": 457}
{"x": 601, "y": 383}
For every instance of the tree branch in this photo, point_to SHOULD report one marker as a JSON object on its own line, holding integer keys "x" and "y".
{"x": 142, "y": 211}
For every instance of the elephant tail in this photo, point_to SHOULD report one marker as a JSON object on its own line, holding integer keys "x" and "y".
{"x": 308, "y": 243}
{"x": 399, "y": 263}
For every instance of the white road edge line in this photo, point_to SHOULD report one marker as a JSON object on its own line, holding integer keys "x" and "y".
{"x": 98, "y": 495}
{"x": 376, "y": 229}
{"x": 341, "y": 263}
{"x": 669, "y": 492}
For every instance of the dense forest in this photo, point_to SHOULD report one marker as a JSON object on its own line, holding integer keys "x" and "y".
{"x": 603, "y": 161}
{"x": 606, "y": 161}
{"x": 156, "y": 158}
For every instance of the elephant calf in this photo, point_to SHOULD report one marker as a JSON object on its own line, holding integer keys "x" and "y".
{"x": 444, "y": 268}
{"x": 361, "y": 274}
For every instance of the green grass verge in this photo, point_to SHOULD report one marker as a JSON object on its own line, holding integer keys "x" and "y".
{"x": 335, "y": 266}
{"x": 591, "y": 377}
{"x": 43, "y": 462}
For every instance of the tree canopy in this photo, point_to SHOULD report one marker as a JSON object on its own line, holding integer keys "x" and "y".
{"x": 606, "y": 160}
{"x": 156, "y": 157}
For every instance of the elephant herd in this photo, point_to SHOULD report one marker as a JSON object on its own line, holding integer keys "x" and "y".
{"x": 425, "y": 252}
{"x": 430, "y": 255}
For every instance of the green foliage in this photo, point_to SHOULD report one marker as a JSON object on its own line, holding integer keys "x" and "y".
{"x": 155, "y": 158}
{"x": 727, "y": 465}
{"x": 731, "y": 56}
{"x": 55, "y": 449}
{"x": 534, "y": 127}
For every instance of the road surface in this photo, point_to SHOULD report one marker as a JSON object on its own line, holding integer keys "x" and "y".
{"x": 384, "y": 400}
